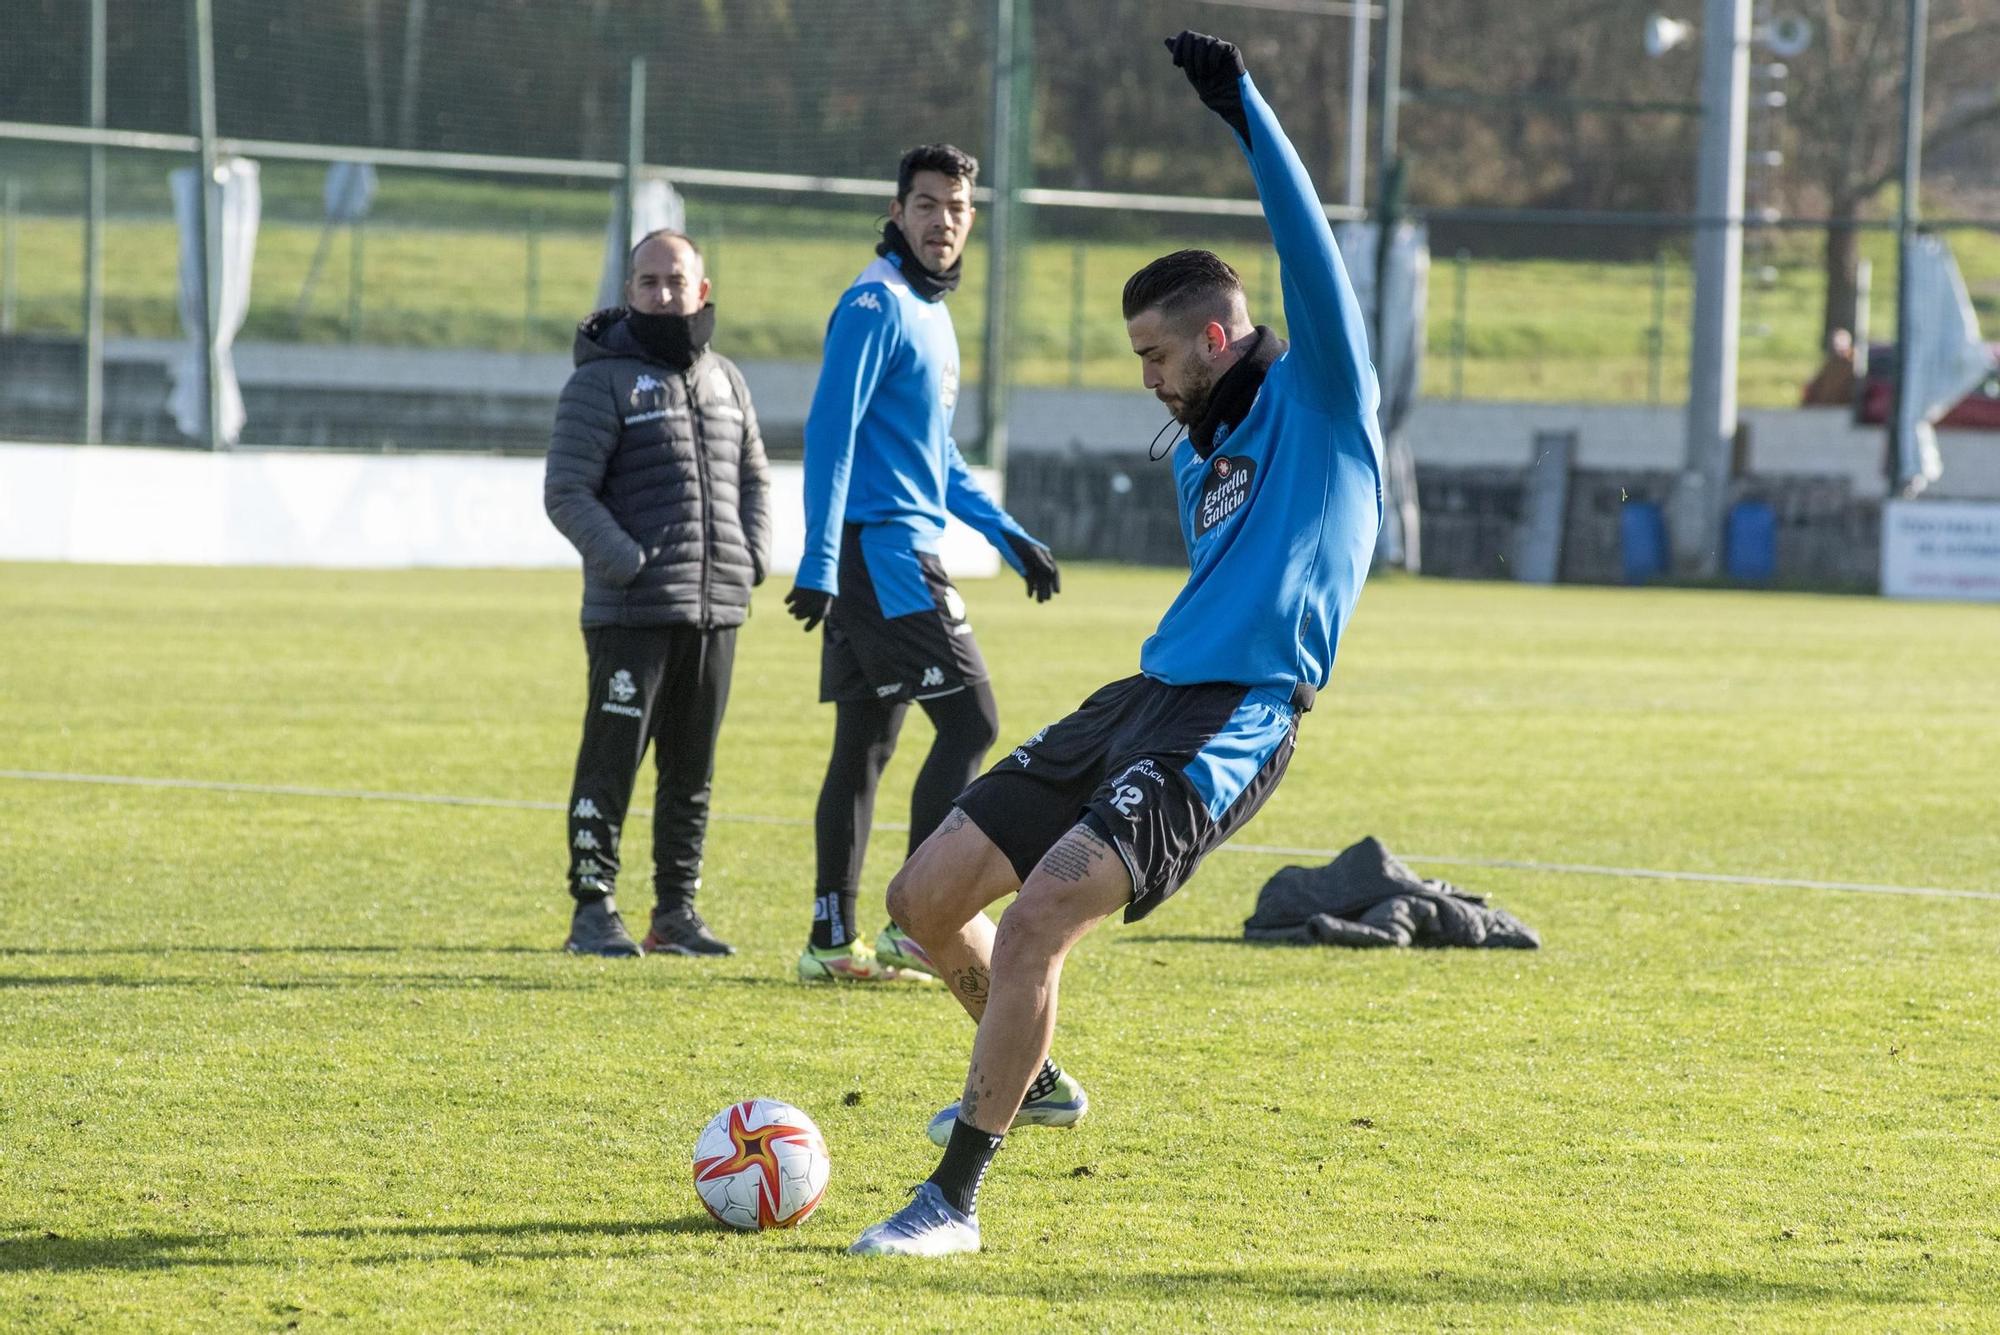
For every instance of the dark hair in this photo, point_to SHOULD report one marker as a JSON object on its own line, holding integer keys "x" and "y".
{"x": 946, "y": 158}
{"x": 1183, "y": 283}
{"x": 663, "y": 234}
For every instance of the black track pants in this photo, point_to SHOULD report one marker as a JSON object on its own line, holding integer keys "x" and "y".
{"x": 864, "y": 738}
{"x": 667, "y": 685}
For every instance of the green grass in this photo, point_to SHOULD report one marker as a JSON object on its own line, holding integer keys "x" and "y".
{"x": 272, "y": 1061}
{"x": 447, "y": 263}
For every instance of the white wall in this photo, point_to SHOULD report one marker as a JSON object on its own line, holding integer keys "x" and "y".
{"x": 189, "y": 507}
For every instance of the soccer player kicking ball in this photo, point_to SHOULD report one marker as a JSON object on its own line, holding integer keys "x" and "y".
{"x": 1115, "y": 806}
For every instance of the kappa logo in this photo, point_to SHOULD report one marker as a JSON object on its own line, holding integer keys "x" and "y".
{"x": 585, "y": 809}
{"x": 867, "y": 301}
{"x": 718, "y": 384}
{"x": 586, "y": 840}
{"x": 589, "y": 867}
{"x": 933, "y": 676}
{"x": 645, "y": 384}
{"x": 948, "y": 391}
{"x": 884, "y": 692}
{"x": 954, "y": 606}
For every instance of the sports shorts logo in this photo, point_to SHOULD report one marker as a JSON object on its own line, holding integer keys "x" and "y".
{"x": 1126, "y": 795}
{"x": 933, "y": 676}
{"x": 867, "y": 301}
{"x": 1224, "y": 489}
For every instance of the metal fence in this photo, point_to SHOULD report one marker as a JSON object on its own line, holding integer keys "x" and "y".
{"x": 457, "y": 294}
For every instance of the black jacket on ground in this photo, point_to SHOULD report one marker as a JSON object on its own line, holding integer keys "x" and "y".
{"x": 657, "y": 476}
{"x": 1367, "y": 897}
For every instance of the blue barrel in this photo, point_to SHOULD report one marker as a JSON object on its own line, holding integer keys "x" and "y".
{"x": 1642, "y": 531}
{"x": 1750, "y": 542}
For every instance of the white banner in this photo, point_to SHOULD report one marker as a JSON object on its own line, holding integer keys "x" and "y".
{"x": 246, "y": 507}
{"x": 1398, "y": 368}
{"x": 656, "y": 205}
{"x": 239, "y": 200}
{"x": 1945, "y": 358}
{"x": 1941, "y": 549}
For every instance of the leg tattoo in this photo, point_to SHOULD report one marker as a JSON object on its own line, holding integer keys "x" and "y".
{"x": 972, "y": 983}
{"x": 1075, "y": 855}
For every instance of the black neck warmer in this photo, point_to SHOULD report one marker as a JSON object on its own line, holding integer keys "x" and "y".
{"x": 675, "y": 340}
{"x": 930, "y": 286}
{"x": 1229, "y": 402}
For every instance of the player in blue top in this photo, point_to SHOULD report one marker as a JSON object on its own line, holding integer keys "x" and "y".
{"x": 1114, "y": 806}
{"x": 882, "y": 472}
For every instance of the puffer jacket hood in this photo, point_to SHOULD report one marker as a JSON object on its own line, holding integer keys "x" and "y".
{"x": 656, "y": 474}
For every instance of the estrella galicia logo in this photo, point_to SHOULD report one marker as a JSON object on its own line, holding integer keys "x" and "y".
{"x": 1224, "y": 489}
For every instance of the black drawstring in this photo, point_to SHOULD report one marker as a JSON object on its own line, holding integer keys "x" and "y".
{"x": 1171, "y": 422}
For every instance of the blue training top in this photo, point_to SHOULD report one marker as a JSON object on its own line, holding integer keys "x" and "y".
{"x": 879, "y": 450}
{"x": 1280, "y": 519}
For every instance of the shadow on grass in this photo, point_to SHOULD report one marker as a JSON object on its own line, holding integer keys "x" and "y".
{"x": 108, "y": 951}
{"x": 144, "y": 982}
{"x": 1286, "y": 1286}
{"x": 475, "y": 1243}
{"x": 127, "y": 1251}
{"x": 697, "y": 1222}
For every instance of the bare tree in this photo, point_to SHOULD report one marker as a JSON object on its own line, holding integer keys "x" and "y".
{"x": 1846, "y": 112}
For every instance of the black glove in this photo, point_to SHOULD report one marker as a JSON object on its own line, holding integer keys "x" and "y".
{"x": 1213, "y": 66}
{"x": 1037, "y": 567}
{"x": 809, "y": 605}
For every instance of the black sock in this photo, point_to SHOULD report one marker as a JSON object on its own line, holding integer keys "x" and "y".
{"x": 964, "y": 1165}
{"x": 1045, "y": 1081}
{"x": 833, "y": 918}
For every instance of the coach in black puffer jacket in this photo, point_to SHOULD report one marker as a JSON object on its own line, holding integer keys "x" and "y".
{"x": 656, "y": 474}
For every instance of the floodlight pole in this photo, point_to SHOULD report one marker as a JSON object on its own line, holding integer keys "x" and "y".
{"x": 201, "y": 73}
{"x": 1389, "y": 163}
{"x": 93, "y": 239}
{"x": 1357, "y": 106}
{"x": 1718, "y": 272}
{"x": 1009, "y": 69}
{"x": 1906, "y": 225}
{"x": 635, "y": 156}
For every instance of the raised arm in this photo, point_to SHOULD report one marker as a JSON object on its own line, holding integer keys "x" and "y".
{"x": 1328, "y": 334}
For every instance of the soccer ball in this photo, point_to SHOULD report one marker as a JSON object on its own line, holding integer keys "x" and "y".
{"x": 760, "y": 1164}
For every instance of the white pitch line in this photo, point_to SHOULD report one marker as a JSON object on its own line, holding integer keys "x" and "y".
{"x": 1509, "y": 864}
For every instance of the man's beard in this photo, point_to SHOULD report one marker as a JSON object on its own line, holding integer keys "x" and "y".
{"x": 1198, "y": 387}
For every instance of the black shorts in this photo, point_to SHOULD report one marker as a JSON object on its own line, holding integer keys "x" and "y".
{"x": 1164, "y": 773}
{"x": 898, "y": 629}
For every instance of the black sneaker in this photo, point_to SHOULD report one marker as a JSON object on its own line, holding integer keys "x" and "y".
{"x": 680, "y": 931}
{"x": 596, "y": 929}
